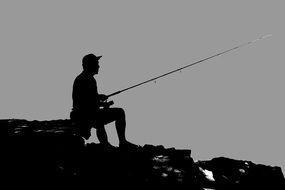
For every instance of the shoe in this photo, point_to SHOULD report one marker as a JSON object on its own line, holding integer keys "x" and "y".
{"x": 108, "y": 146}
{"x": 128, "y": 145}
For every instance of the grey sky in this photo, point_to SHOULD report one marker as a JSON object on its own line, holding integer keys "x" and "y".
{"x": 231, "y": 106}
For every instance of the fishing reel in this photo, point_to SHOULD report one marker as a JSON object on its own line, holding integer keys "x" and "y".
{"x": 106, "y": 104}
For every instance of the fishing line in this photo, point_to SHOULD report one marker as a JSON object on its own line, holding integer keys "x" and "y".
{"x": 189, "y": 65}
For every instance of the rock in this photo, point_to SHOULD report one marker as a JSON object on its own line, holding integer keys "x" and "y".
{"x": 50, "y": 152}
{"x": 238, "y": 174}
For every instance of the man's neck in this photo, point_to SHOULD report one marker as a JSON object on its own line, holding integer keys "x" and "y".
{"x": 86, "y": 73}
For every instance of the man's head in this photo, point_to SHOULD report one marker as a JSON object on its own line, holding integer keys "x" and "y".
{"x": 90, "y": 63}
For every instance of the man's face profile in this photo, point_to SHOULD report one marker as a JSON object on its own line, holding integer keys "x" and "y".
{"x": 92, "y": 66}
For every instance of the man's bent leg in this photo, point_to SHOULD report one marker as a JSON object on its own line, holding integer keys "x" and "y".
{"x": 84, "y": 129}
{"x": 101, "y": 134}
{"x": 121, "y": 125}
{"x": 121, "y": 129}
{"x": 114, "y": 114}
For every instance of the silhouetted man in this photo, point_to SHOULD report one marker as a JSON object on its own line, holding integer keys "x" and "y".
{"x": 87, "y": 105}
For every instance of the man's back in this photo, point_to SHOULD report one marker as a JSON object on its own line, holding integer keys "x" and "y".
{"x": 85, "y": 94}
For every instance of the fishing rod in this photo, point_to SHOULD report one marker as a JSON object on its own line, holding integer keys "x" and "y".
{"x": 189, "y": 65}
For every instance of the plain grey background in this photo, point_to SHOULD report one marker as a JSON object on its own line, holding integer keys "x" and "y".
{"x": 232, "y": 105}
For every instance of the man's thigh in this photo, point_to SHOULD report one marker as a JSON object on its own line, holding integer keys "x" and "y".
{"x": 108, "y": 115}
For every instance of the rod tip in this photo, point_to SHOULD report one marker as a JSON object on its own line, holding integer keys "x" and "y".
{"x": 266, "y": 36}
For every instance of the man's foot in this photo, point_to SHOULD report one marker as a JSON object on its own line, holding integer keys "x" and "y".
{"x": 128, "y": 145}
{"x": 108, "y": 146}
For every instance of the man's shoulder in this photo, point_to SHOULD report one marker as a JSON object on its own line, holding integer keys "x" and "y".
{"x": 82, "y": 78}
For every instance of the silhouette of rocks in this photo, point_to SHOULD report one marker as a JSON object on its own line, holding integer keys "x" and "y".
{"x": 48, "y": 153}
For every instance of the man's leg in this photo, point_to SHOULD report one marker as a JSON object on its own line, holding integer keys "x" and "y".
{"x": 121, "y": 125}
{"x": 109, "y": 115}
{"x": 84, "y": 129}
{"x": 101, "y": 134}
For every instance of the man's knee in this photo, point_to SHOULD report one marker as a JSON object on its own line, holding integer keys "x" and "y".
{"x": 120, "y": 112}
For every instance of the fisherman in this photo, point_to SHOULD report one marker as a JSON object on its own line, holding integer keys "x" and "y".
{"x": 91, "y": 109}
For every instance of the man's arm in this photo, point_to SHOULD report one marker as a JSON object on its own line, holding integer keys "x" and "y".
{"x": 104, "y": 103}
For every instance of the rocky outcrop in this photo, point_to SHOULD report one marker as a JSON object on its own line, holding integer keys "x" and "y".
{"x": 41, "y": 153}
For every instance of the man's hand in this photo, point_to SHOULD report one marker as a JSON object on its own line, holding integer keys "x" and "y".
{"x": 103, "y": 97}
